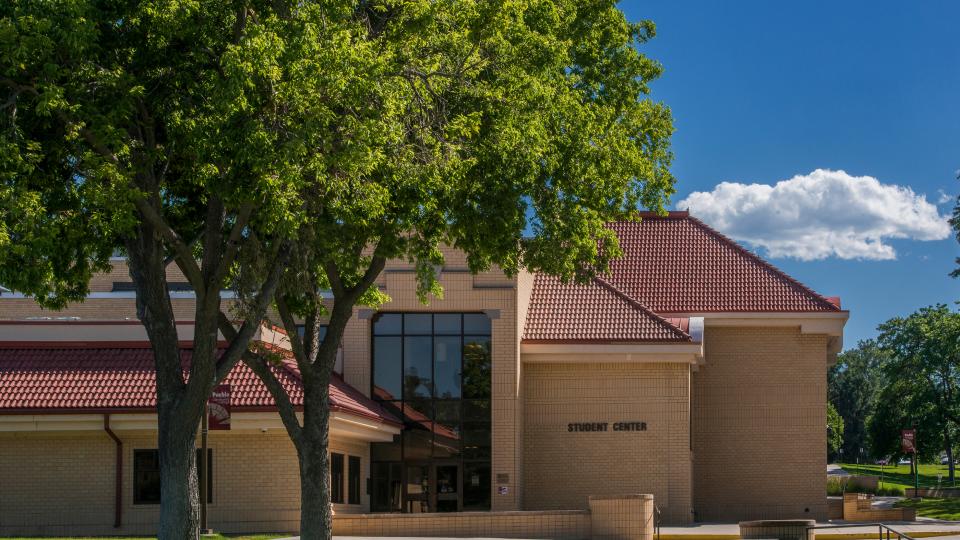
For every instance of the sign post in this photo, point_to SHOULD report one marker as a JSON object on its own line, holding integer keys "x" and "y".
{"x": 908, "y": 443}
{"x": 216, "y": 417}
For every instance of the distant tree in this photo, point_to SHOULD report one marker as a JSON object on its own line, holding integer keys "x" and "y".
{"x": 905, "y": 404}
{"x": 834, "y": 431}
{"x": 923, "y": 374}
{"x": 852, "y": 387}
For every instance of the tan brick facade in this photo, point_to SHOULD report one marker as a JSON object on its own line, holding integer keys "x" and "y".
{"x": 715, "y": 425}
{"x": 563, "y": 469}
{"x": 62, "y": 483}
{"x": 622, "y": 517}
{"x": 759, "y": 404}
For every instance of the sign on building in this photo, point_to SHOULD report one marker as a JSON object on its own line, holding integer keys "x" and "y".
{"x": 218, "y": 408}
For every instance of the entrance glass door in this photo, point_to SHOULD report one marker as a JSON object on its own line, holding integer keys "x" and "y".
{"x": 433, "y": 487}
{"x": 447, "y": 487}
{"x": 416, "y": 492}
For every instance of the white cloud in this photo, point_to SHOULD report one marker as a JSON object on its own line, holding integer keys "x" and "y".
{"x": 944, "y": 197}
{"x": 818, "y": 215}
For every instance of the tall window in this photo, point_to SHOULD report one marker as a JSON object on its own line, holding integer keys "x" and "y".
{"x": 433, "y": 371}
{"x": 353, "y": 481}
{"x": 336, "y": 478}
{"x": 146, "y": 475}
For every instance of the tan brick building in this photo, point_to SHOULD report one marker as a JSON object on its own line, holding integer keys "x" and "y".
{"x": 688, "y": 372}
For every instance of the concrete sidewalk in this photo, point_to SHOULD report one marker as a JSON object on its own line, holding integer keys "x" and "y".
{"x": 728, "y": 531}
{"x": 944, "y": 530}
{"x": 925, "y": 528}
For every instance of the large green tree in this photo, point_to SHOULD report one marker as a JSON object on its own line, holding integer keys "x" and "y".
{"x": 852, "y": 387}
{"x": 469, "y": 124}
{"x": 296, "y": 147}
{"x": 923, "y": 374}
{"x": 119, "y": 133}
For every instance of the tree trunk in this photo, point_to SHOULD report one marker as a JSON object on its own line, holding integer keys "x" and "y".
{"x": 176, "y": 423}
{"x": 179, "y": 511}
{"x": 316, "y": 521}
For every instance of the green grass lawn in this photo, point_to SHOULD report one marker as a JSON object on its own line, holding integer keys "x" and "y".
{"x": 899, "y": 475}
{"x": 948, "y": 509}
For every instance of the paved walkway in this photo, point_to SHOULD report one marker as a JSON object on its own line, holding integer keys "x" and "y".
{"x": 836, "y": 470}
{"x": 922, "y": 527}
{"x": 943, "y": 530}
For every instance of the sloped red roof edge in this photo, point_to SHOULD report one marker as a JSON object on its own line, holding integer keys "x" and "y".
{"x": 793, "y": 282}
{"x": 289, "y": 364}
{"x": 387, "y": 419}
{"x": 638, "y": 305}
{"x": 799, "y": 314}
{"x": 591, "y": 341}
{"x": 376, "y": 411}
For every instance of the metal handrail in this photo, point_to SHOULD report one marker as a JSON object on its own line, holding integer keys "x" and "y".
{"x": 656, "y": 522}
{"x": 880, "y": 530}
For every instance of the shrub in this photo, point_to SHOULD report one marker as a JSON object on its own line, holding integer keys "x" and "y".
{"x": 837, "y": 485}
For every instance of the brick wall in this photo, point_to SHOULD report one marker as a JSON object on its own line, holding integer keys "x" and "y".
{"x": 759, "y": 405}
{"x": 63, "y": 483}
{"x": 562, "y": 469}
{"x": 559, "y": 525}
{"x": 618, "y": 517}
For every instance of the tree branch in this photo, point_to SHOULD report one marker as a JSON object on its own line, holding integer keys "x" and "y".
{"x": 333, "y": 276}
{"x": 186, "y": 262}
{"x": 288, "y": 414}
{"x": 297, "y": 345}
{"x": 233, "y": 241}
{"x": 240, "y": 339}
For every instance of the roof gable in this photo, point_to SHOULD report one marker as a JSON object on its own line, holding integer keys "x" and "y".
{"x": 596, "y": 312}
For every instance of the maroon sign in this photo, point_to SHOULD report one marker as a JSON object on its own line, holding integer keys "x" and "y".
{"x": 218, "y": 408}
{"x": 908, "y": 441}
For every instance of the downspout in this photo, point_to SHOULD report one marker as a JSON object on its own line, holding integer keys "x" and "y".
{"x": 118, "y": 474}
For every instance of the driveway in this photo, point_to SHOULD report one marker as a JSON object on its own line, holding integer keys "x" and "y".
{"x": 835, "y": 470}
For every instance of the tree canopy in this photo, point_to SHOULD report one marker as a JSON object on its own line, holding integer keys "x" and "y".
{"x": 853, "y": 384}
{"x": 512, "y": 131}
{"x": 921, "y": 380}
{"x": 296, "y": 146}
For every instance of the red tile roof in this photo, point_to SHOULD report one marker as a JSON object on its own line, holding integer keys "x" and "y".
{"x": 677, "y": 264}
{"x": 671, "y": 264}
{"x": 119, "y": 377}
{"x": 594, "y": 312}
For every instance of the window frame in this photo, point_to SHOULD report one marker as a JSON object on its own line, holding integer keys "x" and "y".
{"x": 354, "y": 469}
{"x": 463, "y": 335}
{"x": 138, "y": 500}
{"x": 337, "y": 478}
{"x": 484, "y": 458}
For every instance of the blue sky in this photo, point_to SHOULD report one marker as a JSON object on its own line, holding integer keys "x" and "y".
{"x": 764, "y": 92}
